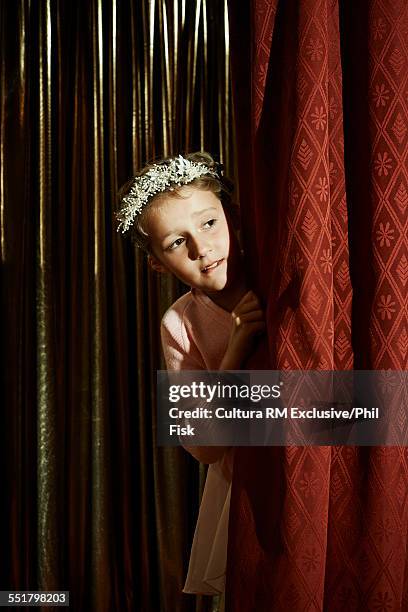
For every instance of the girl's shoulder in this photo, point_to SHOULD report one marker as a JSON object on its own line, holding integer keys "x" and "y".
{"x": 196, "y": 327}
{"x": 178, "y": 337}
{"x": 178, "y": 310}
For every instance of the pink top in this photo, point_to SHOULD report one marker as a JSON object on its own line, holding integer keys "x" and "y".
{"x": 195, "y": 334}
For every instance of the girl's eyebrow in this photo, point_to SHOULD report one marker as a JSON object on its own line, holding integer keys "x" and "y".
{"x": 196, "y": 214}
{"x": 201, "y": 212}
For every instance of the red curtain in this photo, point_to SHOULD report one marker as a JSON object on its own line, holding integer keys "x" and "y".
{"x": 321, "y": 94}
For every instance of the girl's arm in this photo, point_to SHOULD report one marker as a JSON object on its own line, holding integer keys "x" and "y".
{"x": 247, "y": 323}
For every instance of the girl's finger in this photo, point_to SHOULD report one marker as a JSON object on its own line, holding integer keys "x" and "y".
{"x": 249, "y": 296}
{"x": 253, "y": 315}
{"x": 248, "y": 307}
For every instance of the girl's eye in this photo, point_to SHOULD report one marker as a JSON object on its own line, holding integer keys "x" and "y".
{"x": 210, "y": 223}
{"x": 175, "y": 244}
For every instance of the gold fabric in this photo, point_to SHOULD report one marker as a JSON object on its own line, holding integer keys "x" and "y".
{"x": 90, "y": 91}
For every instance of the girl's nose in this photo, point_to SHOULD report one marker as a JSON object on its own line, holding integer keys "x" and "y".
{"x": 199, "y": 248}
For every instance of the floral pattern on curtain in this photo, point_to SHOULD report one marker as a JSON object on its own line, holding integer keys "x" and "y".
{"x": 321, "y": 97}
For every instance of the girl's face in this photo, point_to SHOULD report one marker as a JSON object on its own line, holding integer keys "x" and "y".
{"x": 190, "y": 237}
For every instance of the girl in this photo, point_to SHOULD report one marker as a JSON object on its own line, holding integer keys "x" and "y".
{"x": 179, "y": 211}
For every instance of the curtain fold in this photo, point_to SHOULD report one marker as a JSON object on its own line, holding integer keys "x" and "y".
{"x": 89, "y": 92}
{"x": 321, "y": 114}
{"x": 47, "y": 467}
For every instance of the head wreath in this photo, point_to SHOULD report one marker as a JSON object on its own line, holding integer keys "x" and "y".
{"x": 160, "y": 177}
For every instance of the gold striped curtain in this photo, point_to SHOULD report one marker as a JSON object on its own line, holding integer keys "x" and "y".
{"x": 89, "y": 91}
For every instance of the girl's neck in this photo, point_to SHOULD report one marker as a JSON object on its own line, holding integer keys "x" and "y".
{"x": 229, "y": 298}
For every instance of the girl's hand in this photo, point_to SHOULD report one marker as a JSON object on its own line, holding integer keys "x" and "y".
{"x": 247, "y": 323}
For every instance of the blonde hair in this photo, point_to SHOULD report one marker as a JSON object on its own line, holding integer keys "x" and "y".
{"x": 220, "y": 187}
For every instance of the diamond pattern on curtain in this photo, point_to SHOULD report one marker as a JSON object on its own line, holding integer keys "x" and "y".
{"x": 321, "y": 110}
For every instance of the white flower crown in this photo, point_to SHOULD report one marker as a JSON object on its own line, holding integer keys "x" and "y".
{"x": 160, "y": 177}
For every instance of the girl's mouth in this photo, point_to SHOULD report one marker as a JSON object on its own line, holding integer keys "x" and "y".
{"x": 213, "y": 266}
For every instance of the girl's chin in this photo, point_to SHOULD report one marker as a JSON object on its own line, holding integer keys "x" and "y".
{"x": 215, "y": 288}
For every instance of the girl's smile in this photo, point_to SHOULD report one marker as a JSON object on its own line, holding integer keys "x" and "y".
{"x": 212, "y": 266}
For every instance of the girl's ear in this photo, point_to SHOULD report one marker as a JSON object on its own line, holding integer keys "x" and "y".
{"x": 156, "y": 264}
